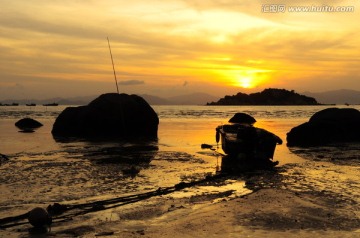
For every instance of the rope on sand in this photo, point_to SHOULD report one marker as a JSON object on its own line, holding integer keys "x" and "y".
{"x": 61, "y": 213}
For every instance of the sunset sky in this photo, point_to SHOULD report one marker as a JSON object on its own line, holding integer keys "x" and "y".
{"x": 173, "y": 47}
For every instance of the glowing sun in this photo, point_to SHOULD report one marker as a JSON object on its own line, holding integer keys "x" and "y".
{"x": 246, "y": 83}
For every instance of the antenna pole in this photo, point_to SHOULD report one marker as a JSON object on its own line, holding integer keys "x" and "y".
{"x": 117, "y": 87}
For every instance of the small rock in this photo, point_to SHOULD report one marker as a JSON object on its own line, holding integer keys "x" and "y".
{"x": 141, "y": 232}
{"x": 27, "y": 124}
{"x": 105, "y": 233}
{"x": 56, "y": 209}
{"x": 39, "y": 217}
{"x": 3, "y": 158}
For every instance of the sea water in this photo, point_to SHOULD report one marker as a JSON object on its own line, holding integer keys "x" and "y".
{"x": 42, "y": 171}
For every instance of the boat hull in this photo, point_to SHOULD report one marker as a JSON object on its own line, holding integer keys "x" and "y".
{"x": 247, "y": 140}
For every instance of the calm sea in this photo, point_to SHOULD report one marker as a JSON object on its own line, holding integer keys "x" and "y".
{"x": 41, "y": 171}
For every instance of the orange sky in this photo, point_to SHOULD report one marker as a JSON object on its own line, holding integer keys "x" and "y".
{"x": 174, "y": 47}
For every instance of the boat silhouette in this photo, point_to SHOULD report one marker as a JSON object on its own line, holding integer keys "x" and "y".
{"x": 51, "y": 104}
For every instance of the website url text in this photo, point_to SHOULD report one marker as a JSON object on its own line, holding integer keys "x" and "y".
{"x": 282, "y": 8}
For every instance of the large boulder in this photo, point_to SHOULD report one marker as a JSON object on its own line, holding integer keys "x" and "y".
{"x": 332, "y": 125}
{"x": 110, "y": 115}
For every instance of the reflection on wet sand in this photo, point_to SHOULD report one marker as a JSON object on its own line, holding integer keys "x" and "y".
{"x": 240, "y": 164}
{"x": 304, "y": 180}
{"x": 132, "y": 157}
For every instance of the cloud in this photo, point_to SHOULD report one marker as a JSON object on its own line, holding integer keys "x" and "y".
{"x": 131, "y": 82}
{"x": 165, "y": 43}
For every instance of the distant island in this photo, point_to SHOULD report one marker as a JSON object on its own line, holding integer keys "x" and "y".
{"x": 270, "y": 96}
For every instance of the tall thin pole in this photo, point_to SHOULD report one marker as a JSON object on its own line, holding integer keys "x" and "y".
{"x": 117, "y": 87}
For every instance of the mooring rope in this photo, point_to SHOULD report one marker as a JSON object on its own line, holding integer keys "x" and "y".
{"x": 58, "y": 210}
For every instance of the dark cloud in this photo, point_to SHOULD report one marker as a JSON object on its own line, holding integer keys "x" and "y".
{"x": 131, "y": 82}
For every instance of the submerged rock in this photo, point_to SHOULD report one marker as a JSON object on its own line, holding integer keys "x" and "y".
{"x": 28, "y": 124}
{"x": 331, "y": 125}
{"x": 110, "y": 115}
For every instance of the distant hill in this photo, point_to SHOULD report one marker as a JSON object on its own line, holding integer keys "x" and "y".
{"x": 192, "y": 99}
{"x": 270, "y": 96}
{"x": 341, "y": 96}
{"x": 61, "y": 101}
{"x": 154, "y": 100}
{"x": 187, "y": 99}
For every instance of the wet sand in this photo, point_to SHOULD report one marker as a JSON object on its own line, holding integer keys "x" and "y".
{"x": 272, "y": 211}
{"x": 266, "y": 213}
{"x": 315, "y": 198}
{"x": 312, "y": 193}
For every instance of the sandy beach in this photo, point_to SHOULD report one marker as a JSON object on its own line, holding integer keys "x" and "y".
{"x": 274, "y": 210}
{"x": 286, "y": 202}
{"x": 312, "y": 192}
{"x": 266, "y": 213}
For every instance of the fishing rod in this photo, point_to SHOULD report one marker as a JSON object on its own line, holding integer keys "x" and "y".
{"x": 112, "y": 60}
